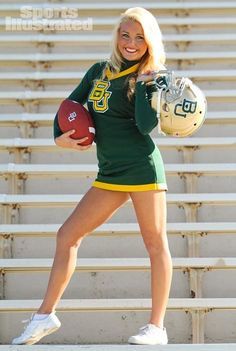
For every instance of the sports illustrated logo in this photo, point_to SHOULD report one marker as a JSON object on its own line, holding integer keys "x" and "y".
{"x": 47, "y": 18}
{"x": 99, "y": 96}
{"x": 72, "y": 116}
{"x": 187, "y": 106}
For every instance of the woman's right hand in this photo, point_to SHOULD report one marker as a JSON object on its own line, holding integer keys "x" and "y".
{"x": 66, "y": 141}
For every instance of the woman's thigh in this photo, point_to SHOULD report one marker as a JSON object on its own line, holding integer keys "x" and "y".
{"x": 94, "y": 209}
{"x": 150, "y": 209}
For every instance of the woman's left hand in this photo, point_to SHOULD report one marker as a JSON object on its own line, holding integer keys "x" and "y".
{"x": 148, "y": 76}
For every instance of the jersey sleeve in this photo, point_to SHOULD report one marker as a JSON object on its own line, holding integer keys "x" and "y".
{"x": 145, "y": 115}
{"x": 80, "y": 93}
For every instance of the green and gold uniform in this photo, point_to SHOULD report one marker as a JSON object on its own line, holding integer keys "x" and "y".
{"x": 128, "y": 159}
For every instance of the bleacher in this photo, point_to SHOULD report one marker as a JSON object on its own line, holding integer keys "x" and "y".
{"x": 108, "y": 298}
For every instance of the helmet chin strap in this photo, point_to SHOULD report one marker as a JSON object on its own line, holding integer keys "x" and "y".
{"x": 158, "y": 109}
{"x": 170, "y": 89}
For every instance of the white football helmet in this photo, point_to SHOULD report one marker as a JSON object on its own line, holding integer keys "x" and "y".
{"x": 181, "y": 106}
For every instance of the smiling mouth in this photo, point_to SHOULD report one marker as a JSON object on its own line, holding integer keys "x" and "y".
{"x": 130, "y": 51}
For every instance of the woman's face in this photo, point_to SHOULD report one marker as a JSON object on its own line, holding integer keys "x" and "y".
{"x": 131, "y": 42}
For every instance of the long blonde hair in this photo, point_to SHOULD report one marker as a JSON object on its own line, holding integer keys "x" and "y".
{"x": 155, "y": 57}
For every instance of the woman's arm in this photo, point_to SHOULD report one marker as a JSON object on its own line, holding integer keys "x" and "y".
{"x": 145, "y": 115}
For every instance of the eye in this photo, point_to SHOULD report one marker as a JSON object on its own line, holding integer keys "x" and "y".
{"x": 140, "y": 38}
{"x": 125, "y": 35}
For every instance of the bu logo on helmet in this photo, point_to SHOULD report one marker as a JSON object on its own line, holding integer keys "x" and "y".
{"x": 72, "y": 116}
{"x": 187, "y": 106}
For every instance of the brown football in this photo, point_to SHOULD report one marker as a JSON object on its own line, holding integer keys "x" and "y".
{"x": 73, "y": 115}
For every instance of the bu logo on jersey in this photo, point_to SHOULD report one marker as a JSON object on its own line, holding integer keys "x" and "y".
{"x": 187, "y": 106}
{"x": 99, "y": 95}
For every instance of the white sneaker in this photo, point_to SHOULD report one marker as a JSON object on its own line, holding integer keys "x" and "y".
{"x": 150, "y": 334}
{"x": 37, "y": 329}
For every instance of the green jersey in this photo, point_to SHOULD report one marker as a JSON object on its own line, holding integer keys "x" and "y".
{"x": 128, "y": 159}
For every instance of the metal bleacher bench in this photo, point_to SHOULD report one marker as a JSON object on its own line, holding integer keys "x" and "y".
{"x": 197, "y": 307}
{"x": 192, "y": 231}
{"x": 190, "y": 202}
{"x": 193, "y": 265}
{"x": 57, "y": 96}
{"x": 184, "y": 304}
{"x": 121, "y": 304}
{"x": 21, "y": 148}
{"x": 163, "y": 21}
{"x": 229, "y": 74}
{"x": 166, "y": 142}
{"x": 126, "y": 347}
{"x": 68, "y": 170}
{"x": 106, "y": 38}
{"x": 119, "y": 5}
{"x": 8, "y": 265}
{"x": 64, "y": 200}
{"x": 123, "y": 229}
{"x": 46, "y": 119}
{"x": 63, "y": 57}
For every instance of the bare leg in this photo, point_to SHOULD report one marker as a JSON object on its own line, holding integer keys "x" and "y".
{"x": 94, "y": 209}
{"x": 150, "y": 208}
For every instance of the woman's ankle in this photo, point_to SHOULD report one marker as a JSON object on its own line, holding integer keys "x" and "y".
{"x": 45, "y": 311}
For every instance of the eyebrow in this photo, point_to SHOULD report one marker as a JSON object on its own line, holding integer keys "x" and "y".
{"x": 124, "y": 31}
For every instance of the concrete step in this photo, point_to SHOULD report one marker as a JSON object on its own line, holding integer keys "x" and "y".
{"x": 46, "y": 119}
{"x": 195, "y": 149}
{"x": 58, "y": 61}
{"x": 65, "y": 170}
{"x": 46, "y": 144}
{"x": 115, "y": 305}
{"x": 64, "y": 77}
{"x": 169, "y": 347}
{"x": 64, "y": 200}
{"x": 211, "y": 243}
{"x": 189, "y": 207}
{"x": 127, "y": 315}
{"x": 101, "y": 23}
{"x": 192, "y": 177}
{"x": 117, "y": 264}
{"x": 120, "y": 229}
{"x": 217, "y": 123}
{"x": 108, "y": 6}
{"x": 120, "y": 277}
{"x": 7, "y": 97}
{"x": 119, "y": 240}
{"x": 91, "y": 38}
{"x": 179, "y": 182}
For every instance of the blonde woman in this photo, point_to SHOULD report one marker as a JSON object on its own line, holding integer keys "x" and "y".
{"x": 130, "y": 166}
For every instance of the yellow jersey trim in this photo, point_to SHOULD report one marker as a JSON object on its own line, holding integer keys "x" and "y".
{"x": 129, "y": 188}
{"x": 110, "y": 75}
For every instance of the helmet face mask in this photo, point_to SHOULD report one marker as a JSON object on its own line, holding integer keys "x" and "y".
{"x": 180, "y": 105}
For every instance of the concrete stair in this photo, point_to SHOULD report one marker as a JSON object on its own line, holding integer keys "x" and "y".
{"x": 111, "y": 347}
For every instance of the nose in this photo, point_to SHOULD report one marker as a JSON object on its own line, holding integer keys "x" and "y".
{"x": 131, "y": 41}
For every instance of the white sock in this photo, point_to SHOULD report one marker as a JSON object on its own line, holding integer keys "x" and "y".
{"x": 38, "y": 316}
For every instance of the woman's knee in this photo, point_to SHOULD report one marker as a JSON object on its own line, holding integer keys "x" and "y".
{"x": 68, "y": 238}
{"x": 156, "y": 243}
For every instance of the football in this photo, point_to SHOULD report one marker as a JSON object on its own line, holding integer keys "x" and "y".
{"x": 73, "y": 115}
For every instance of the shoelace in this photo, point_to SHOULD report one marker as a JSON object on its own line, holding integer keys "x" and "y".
{"x": 147, "y": 328}
{"x": 144, "y": 330}
{"x": 28, "y": 320}
{"x": 24, "y": 321}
